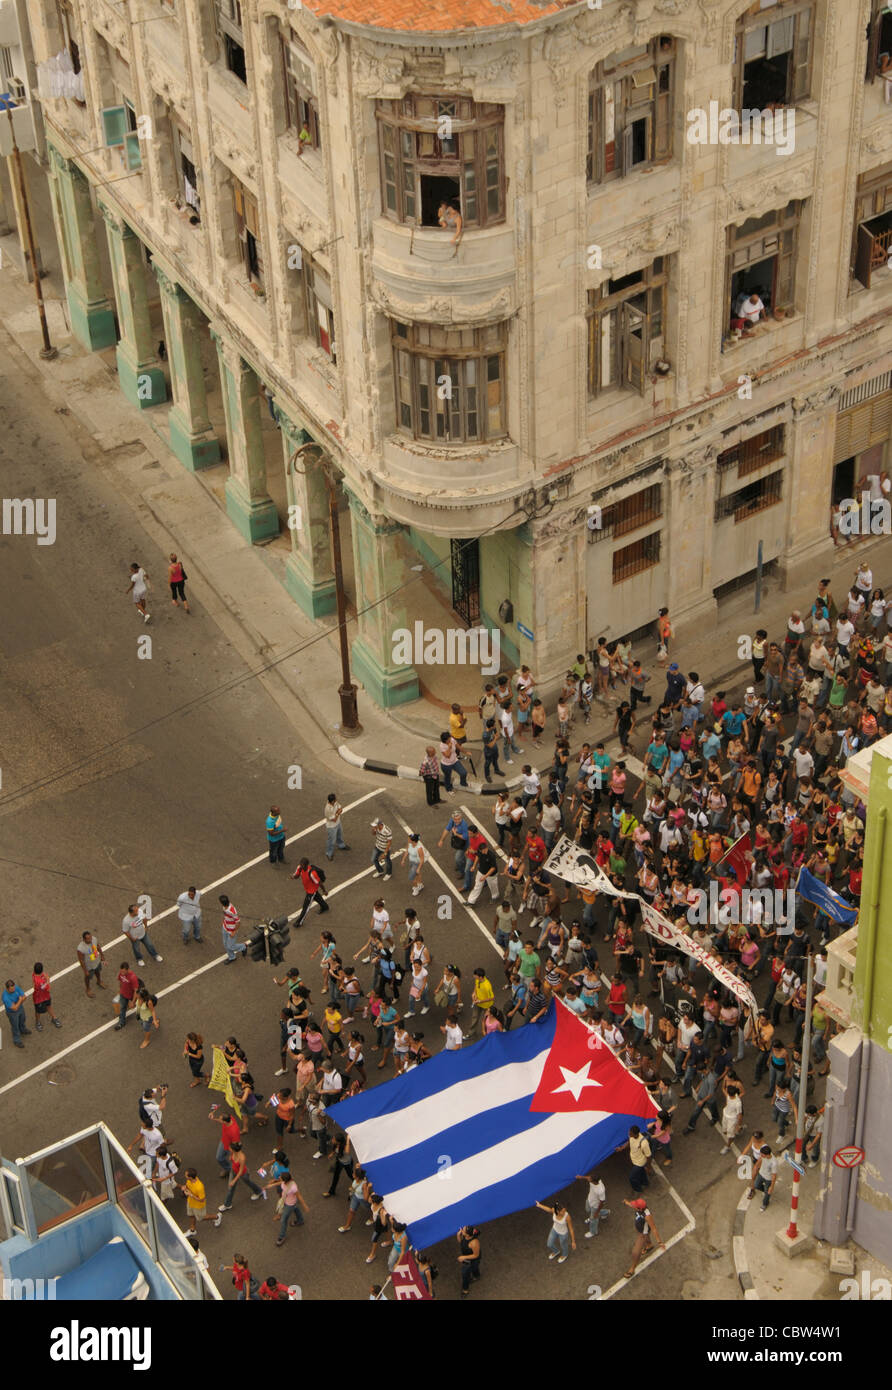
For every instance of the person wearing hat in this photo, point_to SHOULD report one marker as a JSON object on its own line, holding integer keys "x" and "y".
{"x": 645, "y": 1229}
{"x": 674, "y": 686}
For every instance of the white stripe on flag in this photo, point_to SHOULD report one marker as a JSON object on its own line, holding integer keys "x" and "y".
{"x": 497, "y": 1164}
{"x": 384, "y": 1135}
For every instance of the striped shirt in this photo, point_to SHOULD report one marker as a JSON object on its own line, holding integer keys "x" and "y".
{"x": 231, "y": 919}
{"x": 383, "y": 836}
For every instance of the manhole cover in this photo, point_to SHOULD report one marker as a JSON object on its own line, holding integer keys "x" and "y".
{"x": 61, "y": 1075}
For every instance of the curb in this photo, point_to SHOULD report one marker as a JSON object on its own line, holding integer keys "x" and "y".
{"x": 408, "y": 774}
{"x": 738, "y": 1246}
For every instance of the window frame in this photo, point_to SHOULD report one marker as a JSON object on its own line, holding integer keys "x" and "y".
{"x": 799, "y": 77}
{"x": 649, "y": 550}
{"x": 313, "y": 302}
{"x": 301, "y": 102}
{"x": 749, "y": 455}
{"x": 418, "y": 367}
{"x": 628, "y": 370}
{"x": 619, "y": 519}
{"x": 247, "y": 226}
{"x": 772, "y": 492}
{"x": 400, "y": 148}
{"x": 232, "y": 34}
{"x": 786, "y": 224}
{"x": 873, "y": 199}
{"x": 178, "y": 136}
{"x": 656, "y": 109}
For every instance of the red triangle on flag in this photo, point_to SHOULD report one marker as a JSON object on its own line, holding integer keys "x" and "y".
{"x": 582, "y": 1073}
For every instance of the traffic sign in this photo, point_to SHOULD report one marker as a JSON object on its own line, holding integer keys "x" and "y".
{"x": 849, "y": 1156}
{"x": 525, "y": 632}
{"x": 800, "y": 1167}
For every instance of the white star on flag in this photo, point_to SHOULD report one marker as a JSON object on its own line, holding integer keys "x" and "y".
{"x": 576, "y": 1081}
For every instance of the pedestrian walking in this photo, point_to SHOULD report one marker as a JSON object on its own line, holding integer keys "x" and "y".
{"x": 482, "y": 999}
{"x": 487, "y": 874}
{"x": 193, "y": 1190}
{"x": 468, "y": 1256}
{"x": 176, "y": 578}
{"x": 230, "y": 926}
{"x": 561, "y": 1236}
{"x": 134, "y": 928}
{"x": 189, "y": 913}
{"x": 429, "y": 772}
{"x": 290, "y": 1207}
{"x": 491, "y": 751}
{"x": 451, "y": 762}
{"x": 639, "y": 1156}
{"x": 238, "y": 1173}
{"x": 41, "y": 999}
{"x": 275, "y": 836}
{"x": 147, "y": 1014}
{"x": 415, "y": 855}
{"x": 646, "y": 1232}
{"x": 360, "y": 1192}
{"x": 732, "y": 1118}
{"x": 230, "y": 1133}
{"x": 383, "y": 839}
{"x": 341, "y": 1162}
{"x": 138, "y": 587}
{"x": 311, "y": 881}
{"x": 193, "y": 1051}
{"x": 596, "y": 1209}
{"x": 128, "y": 984}
{"x": 246, "y": 1285}
{"x": 334, "y": 833}
{"x": 91, "y": 958}
{"x": 14, "y": 1004}
{"x": 380, "y": 1223}
{"x": 167, "y": 1166}
{"x": 764, "y": 1175}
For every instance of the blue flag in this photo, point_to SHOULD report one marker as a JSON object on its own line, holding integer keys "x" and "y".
{"x": 826, "y": 899}
{"x": 482, "y": 1131}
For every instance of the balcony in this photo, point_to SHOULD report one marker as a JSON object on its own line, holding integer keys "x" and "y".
{"x": 422, "y": 275}
{"x": 838, "y": 998}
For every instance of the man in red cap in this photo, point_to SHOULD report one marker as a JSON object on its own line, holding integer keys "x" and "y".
{"x": 645, "y": 1228}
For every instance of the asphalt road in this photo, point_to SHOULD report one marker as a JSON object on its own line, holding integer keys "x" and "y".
{"x": 123, "y": 775}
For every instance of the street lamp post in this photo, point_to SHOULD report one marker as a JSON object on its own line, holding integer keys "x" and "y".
{"x": 793, "y": 1228}
{"x": 346, "y": 690}
{"x": 48, "y": 352}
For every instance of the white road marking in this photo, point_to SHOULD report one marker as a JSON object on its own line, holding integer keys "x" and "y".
{"x": 233, "y": 873}
{"x": 455, "y": 892}
{"x": 690, "y": 1225}
{"x": 177, "y": 984}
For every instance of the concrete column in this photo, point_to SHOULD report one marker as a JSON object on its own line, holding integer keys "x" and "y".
{"x": 91, "y": 314}
{"x": 689, "y": 491}
{"x": 308, "y": 572}
{"x": 810, "y": 441}
{"x": 192, "y": 437}
{"x": 248, "y": 503}
{"x": 380, "y": 569}
{"x": 139, "y": 371}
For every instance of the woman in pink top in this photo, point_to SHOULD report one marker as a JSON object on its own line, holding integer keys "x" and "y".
{"x": 176, "y": 578}
{"x": 492, "y": 1021}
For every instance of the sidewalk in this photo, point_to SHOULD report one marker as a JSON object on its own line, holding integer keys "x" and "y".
{"x": 237, "y": 583}
{"x": 766, "y": 1273}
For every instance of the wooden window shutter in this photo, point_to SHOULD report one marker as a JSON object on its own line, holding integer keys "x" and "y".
{"x": 801, "y": 86}
{"x": 881, "y": 418}
{"x": 873, "y": 47}
{"x": 863, "y": 256}
{"x": 636, "y": 335}
{"x": 663, "y": 123}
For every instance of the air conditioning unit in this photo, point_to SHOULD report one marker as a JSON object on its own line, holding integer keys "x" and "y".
{"x": 16, "y": 88}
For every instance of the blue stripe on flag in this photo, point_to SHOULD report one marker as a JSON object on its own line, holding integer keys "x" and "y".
{"x": 534, "y": 1184}
{"x": 445, "y": 1070}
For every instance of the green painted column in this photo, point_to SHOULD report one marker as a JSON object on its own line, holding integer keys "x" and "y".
{"x": 192, "y": 437}
{"x": 309, "y": 577}
{"x": 380, "y": 569}
{"x": 91, "y": 314}
{"x": 248, "y": 503}
{"x": 139, "y": 370}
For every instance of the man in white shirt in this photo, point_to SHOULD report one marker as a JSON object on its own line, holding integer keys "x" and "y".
{"x": 508, "y": 744}
{"x": 750, "y": 308}
{"x": 764, "y": 1175}
{"x": 549, "y": 824}
{"x": 845, "y": 631}
{"x": 189, "y": 913}
{"x": 134, "y": 928}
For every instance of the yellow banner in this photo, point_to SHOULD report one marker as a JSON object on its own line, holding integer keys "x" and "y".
{"x": 222, "y": 1081}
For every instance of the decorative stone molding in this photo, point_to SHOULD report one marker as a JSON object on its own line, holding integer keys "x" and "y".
{"x": 167, "y": 284}
{"x": 440, "y": 309}
{"x": 329, "y": 45}
{"x": 878, "y": 140}
{"x": 653, "y": 239}
{"x": 232, "y": 154}
{"x": 106, "y": 23}
{"x": 114, "y": 221}
{"x": 772, "y": 191}
{"x": 815, "y": 401}
{"x": 563, "y": 525}
{"x": 59, "y": 163}
{"x": 376, "y": 69}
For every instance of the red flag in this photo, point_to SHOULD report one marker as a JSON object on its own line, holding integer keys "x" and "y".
{"x": 739, "y": 858}
{"x": 407, "y": 1279}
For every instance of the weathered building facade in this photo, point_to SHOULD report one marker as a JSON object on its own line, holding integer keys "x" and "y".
{"x": 547, "y": 402}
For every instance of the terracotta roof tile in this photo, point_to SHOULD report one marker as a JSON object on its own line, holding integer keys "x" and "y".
{"x": 437, "y": 16}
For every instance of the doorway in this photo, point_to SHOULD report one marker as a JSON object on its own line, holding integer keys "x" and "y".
{"x": 844, "y": 480}
{"x": 465, "y": 556}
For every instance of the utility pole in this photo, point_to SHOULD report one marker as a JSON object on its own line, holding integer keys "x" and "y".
{"x": 47, "y": 352}
{"x": 792, "y": 1231}
{"x": 347, "y": 689}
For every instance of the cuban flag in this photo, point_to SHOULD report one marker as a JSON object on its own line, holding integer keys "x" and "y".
{"x": 490, "y": 1129}
{"x": 826, "y": 899}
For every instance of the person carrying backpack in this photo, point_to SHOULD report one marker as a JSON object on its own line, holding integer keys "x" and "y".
{"x": 312, "y": 880}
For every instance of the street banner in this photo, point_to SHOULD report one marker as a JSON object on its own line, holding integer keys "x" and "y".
{"x": 407, "y": 1280}
{"x": 222, "y": 1081}
{"x": 661, "y": 927}
{"x": 578, "y": 866}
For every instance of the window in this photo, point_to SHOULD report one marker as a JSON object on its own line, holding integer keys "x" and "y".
{"x": 450, "y": 382}
{"x": 761, "y": 261}
{"x": 119, "y": 125}
{"x": 187, "y": 175}
{"x": 229, "y": 23}
{"x": 632, "y": 559}
{"x": 301, "y": 111}
{"x": 879, "y": 40}
{"x": 630, "y": 110}
{"x": 621, "y": 518}
{"x": 625, "y": 329}
{"x": 753, "y": 453}
{"x": 320, "y": 315}
{"x": 248, "y": 230}
{"x": 65, "y": 11}
{"x": 435, "y": 150}
{"x": 772, "y": 55}
{"x": 755, "y": 497}
{"x": 873, "y": 224}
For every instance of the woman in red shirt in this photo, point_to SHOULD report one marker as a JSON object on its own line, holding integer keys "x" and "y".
{"x": 245, "y": 1283}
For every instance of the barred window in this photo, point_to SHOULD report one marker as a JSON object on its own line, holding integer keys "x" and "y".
{"x": 441, "y": 149}
{"x": 632, "y": 559}
{"x": 630, "y": 110}
{"x": 450, "y": 382}
{"x": 621, "y": 518}
{"x": 755, "y": 497}
{"x": 753, "y": 453}
{"x": 625, "y": 329}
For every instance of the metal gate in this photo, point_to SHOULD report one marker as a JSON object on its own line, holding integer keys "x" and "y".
{"x": 466, "y": 580}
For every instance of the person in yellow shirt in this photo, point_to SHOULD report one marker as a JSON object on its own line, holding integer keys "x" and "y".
{"x": 482, "y": 998}
{"x": 333, "y": 1024}
{"x": 196, "y": 1200}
